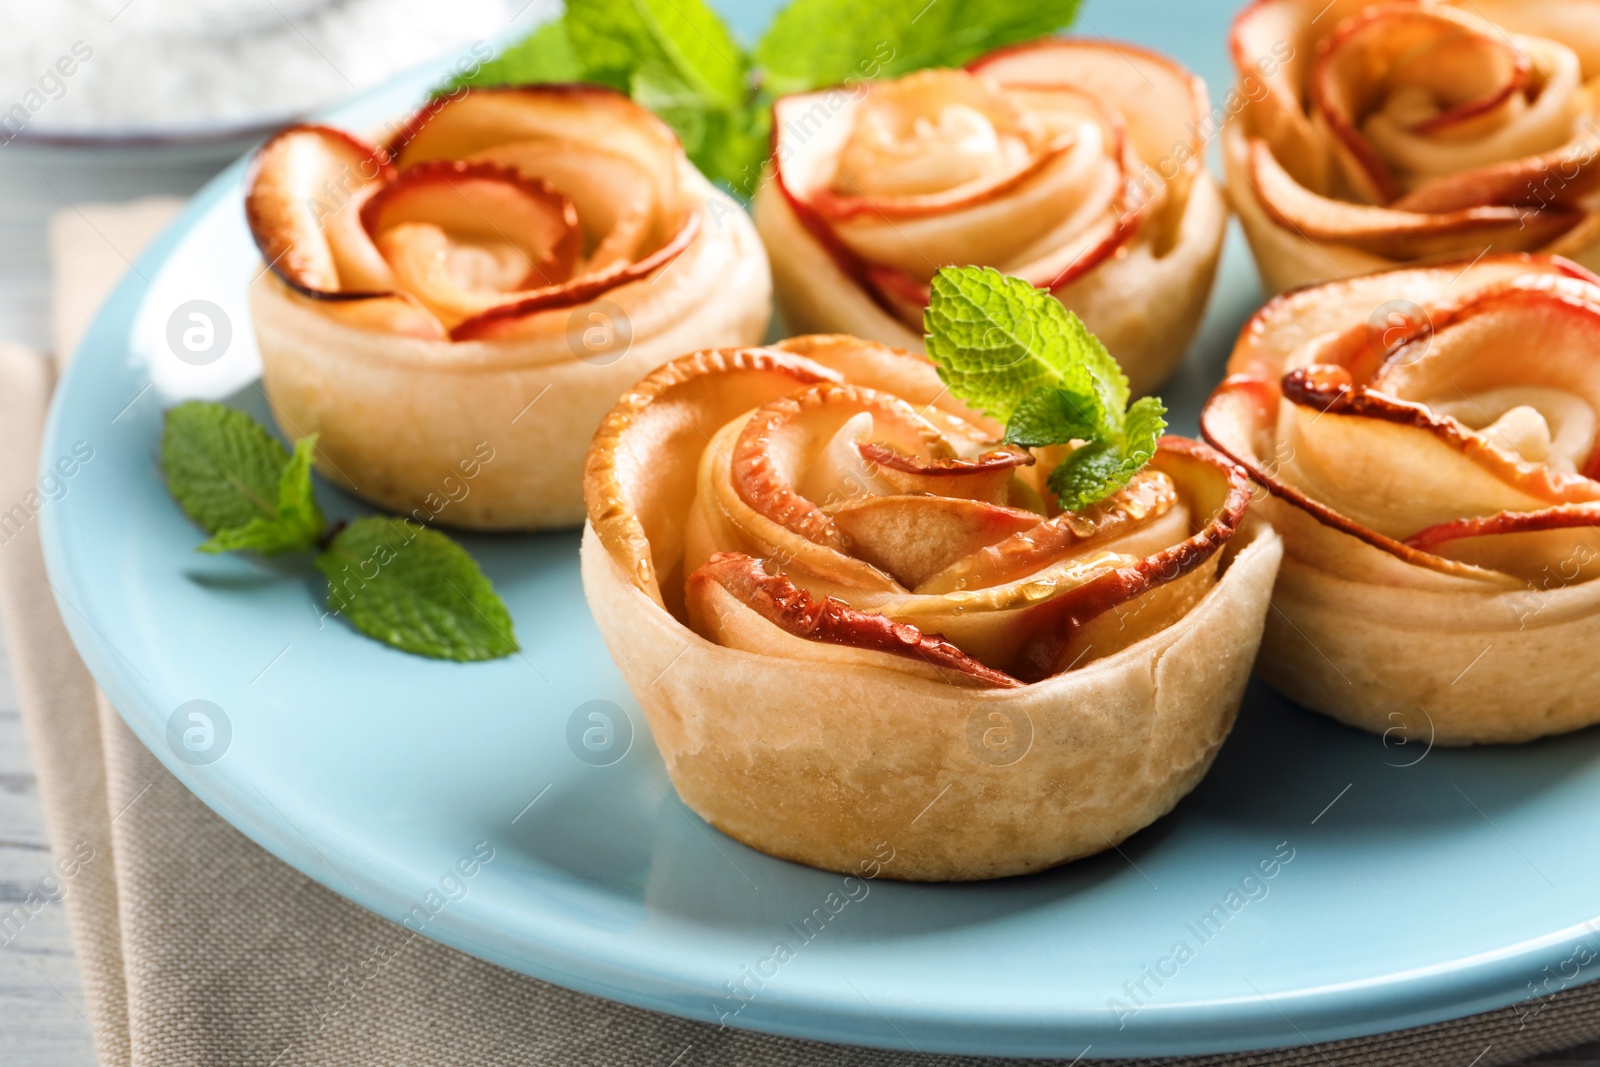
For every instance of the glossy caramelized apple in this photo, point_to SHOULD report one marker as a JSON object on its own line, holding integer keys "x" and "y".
{"x": 1431, "y": 469}
{"x": 1074, "y": 164}
{"x": 485, "y": 284}
{"x": 1376, "y": 135}
{"x": 830, "y": 587}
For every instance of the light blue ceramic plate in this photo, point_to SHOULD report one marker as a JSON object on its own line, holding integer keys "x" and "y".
{"x": 1421, "y": 885}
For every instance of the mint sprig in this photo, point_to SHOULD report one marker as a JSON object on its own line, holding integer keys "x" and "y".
{"x": 224, "y": 469}
{"x": 407, "y": 586}
{"x": 1016, "y": 354}
{"x": 296, "y": 522}
{"x": 815, "y": 43}
{"x": 677, "y": 58}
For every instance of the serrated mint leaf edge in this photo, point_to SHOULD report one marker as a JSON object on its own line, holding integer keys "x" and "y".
{"x": 333, "y": 562}
{"x": 172, "y": 427}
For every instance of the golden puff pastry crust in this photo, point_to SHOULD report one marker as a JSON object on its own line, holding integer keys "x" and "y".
{"x": 1075, "y": 164}
{"x": 1372, "y": 136}
{"x": 485, "y": 284}
{"x": 1427, "y": 440}
{"x": 851, "y": 618}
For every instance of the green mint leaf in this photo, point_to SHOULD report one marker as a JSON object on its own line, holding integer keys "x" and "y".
{"x": 618, "y": 37}
{"x": 222, "y": 466}
{"x": 675, "y": 57}
{"x": 545, "y": 55}
{"x": 266, "y": 536}
{"x": 1088, "y": 475}
{"x": 415, "y": 589}
{"x": 1146, "y": 423}
{"x": 1050, "y": 415}
{"x": 298, "y": 522}
{"x": 1014, "y": 352}
{"x": 1098, "y": 469}
{"x": 997, "y": 339}
{"x": 718, "y": 139}
{"x": 815, "y": 43}
{"x": 297, "y": 502}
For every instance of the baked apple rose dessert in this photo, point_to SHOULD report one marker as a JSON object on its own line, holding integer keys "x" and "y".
{"x": 466, "y": 301}
{"x": 1414, "y": 130}
{"x": 856, "y": 611}
{"x": 1431, "y": 469}
{"x": 1076, "y": 165}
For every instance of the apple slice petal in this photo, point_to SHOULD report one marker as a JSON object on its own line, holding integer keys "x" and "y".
{"x": 915, "y": 537}
{"x": 1460, "y": 365}
{"x": 299, "y": 180}
{"x": 1373, "y": 445}
{"x": 782, "y": 440}
{"x": 985, "y": 478}
{"x": 1398, "y": 234}
{"x": 1034, "y": 627}
{"x": 1075, "y": 173}
{"x": 1574, "y": 25}
{"x": 1350, "y": 79}
{"x": 621, "y": 165}
{"x": 518, "y": 317}
{"x": 934, "y": 141}
{"x": 488, "y": 204}
{"x": 1079, "y": 183}
{"x": 615, "y": 196}
{"x": 1538, "y": 547}
{"x": 1571, "y": 173}
{"x": 1273, "y": 43}
{"x": 360, "y": 265}
{"x": 1394, "y": 466}
{"x": 492, "y": 117}
{"x": 638, "y": 494}
{"x": 829, "y": 621}
{"x": 1148, "y": 497}
{"x": 1238, "y": 421}
{"x": 1163, "y": 105}
{"x": 1276, "y": 337}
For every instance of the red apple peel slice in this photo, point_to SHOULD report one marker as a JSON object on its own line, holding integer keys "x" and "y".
{"x": 829, "y": 620}
{"x": 489, "y": 202}
{"x": 298, "y": 178}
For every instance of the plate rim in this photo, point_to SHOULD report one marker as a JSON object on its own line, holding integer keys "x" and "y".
{"x": 1489, "y": 981}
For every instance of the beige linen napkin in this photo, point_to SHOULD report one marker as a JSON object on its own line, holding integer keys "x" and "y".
{"x": 199, "y": 948}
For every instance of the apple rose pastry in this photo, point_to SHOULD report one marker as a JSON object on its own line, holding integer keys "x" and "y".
{"x": 466, "y": 302}
{"x": 854, "y": 615}
{"x": 1073, "y": 164}
{"x": 1432, "y": 472}
{"x": 1377, "y": 135}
